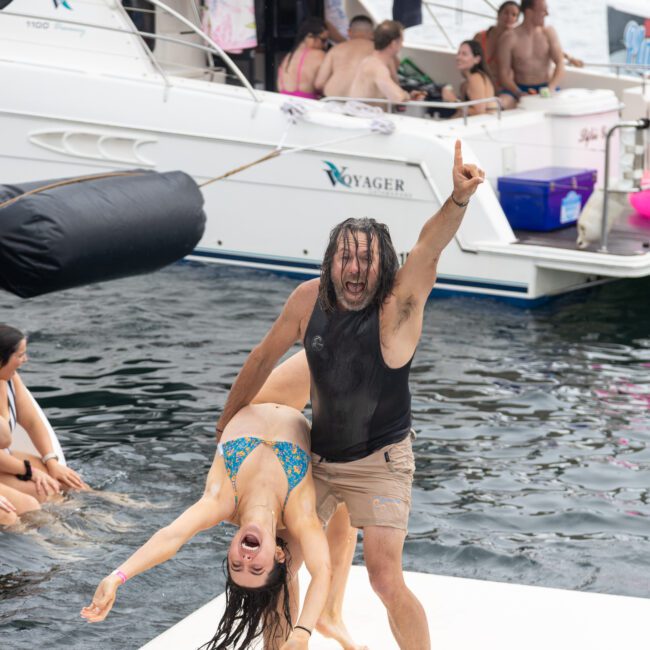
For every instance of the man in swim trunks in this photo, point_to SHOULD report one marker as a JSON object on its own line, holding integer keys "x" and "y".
{"x": 341, "y": 62}
{"x": 360, "y": 324}
{"x": 525, "y": 54}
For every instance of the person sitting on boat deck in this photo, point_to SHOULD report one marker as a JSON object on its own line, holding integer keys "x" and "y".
{"x": 477, "y": 82}
{"x": 360, "y": 323}
{"x": 25, "y": 479}
{"x": 375, "y": 75}
{"x": 507, "y": 17}
{"x": 341, "y": 62}
{"x": 298, "y": 70}
{"x": 261, "y": 481}
{"x": 525, "y": 55}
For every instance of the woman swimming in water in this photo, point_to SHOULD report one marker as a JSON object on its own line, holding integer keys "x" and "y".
{"x": 260, "y": 480}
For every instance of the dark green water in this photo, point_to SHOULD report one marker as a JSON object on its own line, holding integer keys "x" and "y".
{"x": 532, "y": 457}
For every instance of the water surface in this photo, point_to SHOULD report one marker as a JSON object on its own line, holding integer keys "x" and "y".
{"x": 532, "y": 457}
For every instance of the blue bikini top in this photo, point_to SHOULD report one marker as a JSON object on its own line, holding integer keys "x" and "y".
{"x": 294, "y": 460}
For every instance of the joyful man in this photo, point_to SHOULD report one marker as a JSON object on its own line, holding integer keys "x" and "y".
{"x": 360, "y": 323}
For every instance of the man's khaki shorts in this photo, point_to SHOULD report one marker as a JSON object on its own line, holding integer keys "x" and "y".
{"x": 376, "y": 489}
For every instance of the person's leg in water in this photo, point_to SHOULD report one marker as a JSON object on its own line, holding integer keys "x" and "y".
{"x": 382, "y": 549}
{"x": 21, "y": 502}
{"x": 342, "y": 540}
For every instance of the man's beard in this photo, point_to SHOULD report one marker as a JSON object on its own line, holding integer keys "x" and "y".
{"x": 341, "y": 300}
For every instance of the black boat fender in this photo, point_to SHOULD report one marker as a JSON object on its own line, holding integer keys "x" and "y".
{"x": 60, "y": 234}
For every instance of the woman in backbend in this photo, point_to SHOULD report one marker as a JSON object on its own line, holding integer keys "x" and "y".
{"x": 298, "y": 70}
{"x": 25, "y": 480}
{"x": 260, "y": 480}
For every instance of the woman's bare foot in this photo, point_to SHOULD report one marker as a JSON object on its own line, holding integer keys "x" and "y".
{"x": 335, "y": 629}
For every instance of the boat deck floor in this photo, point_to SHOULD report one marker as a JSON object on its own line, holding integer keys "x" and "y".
{"x": 630, "y": 235}
{"x": 463, "y": 613}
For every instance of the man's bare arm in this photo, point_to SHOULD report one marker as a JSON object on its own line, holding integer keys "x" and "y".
{"x": 388, "y": 88}
{"x": 262, "y": 359}
{"x": 418, "y": 275}
{"x": 557, "y": 56}
{"x": 506, "y": 72}
{"x": 325, "y": 71}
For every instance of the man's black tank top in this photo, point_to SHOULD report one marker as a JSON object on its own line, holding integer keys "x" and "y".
{"x": 359, "y": 404}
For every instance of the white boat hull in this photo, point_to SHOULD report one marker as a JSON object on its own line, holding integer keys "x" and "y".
{"x": 87, "y": 100}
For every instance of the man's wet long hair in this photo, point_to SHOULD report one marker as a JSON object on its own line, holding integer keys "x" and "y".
{"x": 388, "y": 262}
{"x": 250, "y": 612}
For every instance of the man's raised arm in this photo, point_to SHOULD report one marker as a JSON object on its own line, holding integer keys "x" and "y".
{"x": 262, "y": 359}
{"x": 418, "y": 275}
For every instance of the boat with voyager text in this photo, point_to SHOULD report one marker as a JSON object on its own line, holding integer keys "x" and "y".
{"x": 89, "y": 95}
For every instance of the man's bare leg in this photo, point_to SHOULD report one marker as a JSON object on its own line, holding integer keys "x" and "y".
{"x": 382, "y": 548}
{"x": 342, "y": 539}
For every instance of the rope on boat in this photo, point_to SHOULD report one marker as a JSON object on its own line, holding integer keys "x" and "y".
{"x": 67, "y": 181}
{"x": 295, "y": 111}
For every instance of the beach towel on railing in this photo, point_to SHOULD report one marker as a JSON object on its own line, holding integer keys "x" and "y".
{"x": 231, "y": 24}
{"x": 71, "y": 232}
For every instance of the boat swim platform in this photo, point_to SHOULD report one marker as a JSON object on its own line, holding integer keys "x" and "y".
{"x": 463, "y": 614}
{"x": 627, "y": 237}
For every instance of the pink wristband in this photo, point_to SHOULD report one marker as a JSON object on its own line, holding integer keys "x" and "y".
{"x": 121, "y": 575}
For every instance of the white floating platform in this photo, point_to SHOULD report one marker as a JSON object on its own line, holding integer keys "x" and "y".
{"x": 465, "y": 614}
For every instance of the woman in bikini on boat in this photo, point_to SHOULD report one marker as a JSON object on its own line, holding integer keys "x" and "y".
{"x": 260, "y": 480}
{"x": 25, "y": 480}
{"x": 477, "y": 83}
{"x": 507, "y": 17}
{"x": 298, "y": 70}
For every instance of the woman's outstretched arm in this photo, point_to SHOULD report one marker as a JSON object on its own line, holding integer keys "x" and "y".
{"x": 303, "y": 523}
{"x": 211, "y": 509}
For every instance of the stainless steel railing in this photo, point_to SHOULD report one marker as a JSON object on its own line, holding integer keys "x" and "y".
{"x": 464, "y": 106}
{"x": 640, "y": 68}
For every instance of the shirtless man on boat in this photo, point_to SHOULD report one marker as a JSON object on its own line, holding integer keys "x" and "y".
{"x": 341, "y": 62}
{"x": 360, "y": 323}
{"x": 376, "y": 74}
{"x": 525, "y": 54}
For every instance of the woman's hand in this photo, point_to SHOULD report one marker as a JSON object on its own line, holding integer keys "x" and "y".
{"x": 66, "y": 476}
{"x": 45, "y": 484}
{"x": 102, "y": 600}
{"x": 6, "y": 505}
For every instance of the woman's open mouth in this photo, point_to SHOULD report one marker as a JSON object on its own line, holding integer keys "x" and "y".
{"x": 250, "y": 542}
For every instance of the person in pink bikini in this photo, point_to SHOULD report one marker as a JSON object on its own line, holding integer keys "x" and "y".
{"x": 299, "y": 67}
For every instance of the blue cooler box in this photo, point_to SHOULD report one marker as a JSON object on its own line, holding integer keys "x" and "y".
{"x": 547, "y": 198}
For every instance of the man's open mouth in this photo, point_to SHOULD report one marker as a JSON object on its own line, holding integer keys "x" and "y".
{"x": 355, "y": 287}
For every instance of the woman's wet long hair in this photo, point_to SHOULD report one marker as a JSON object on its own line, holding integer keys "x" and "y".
{"x": 312, "y": 26}
{"x": 251, "y": 612}
{"x": 10, "y": 339}
{"x": 388, "y": 262}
